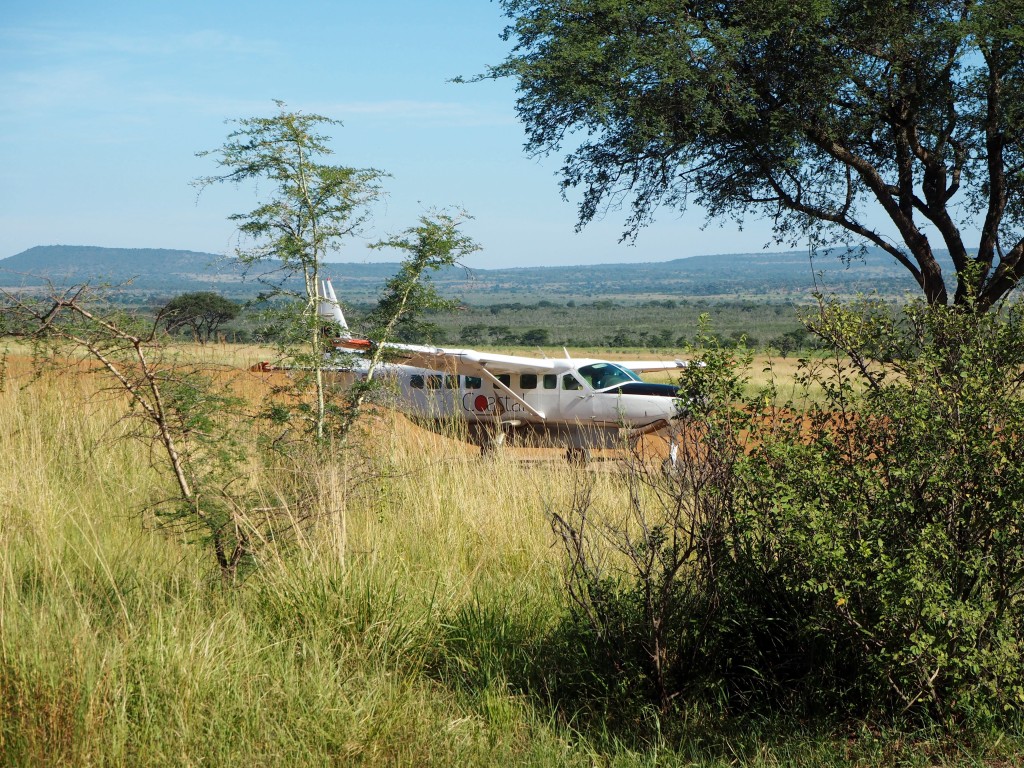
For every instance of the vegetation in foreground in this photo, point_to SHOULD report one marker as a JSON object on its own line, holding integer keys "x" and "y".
{"x": 859, "y": 557}
{"x": 424, "y": 617}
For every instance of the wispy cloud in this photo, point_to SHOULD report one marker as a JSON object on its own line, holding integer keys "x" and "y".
{"x": 32, "y": 89}
{"x": 69, "y": 72}
{"x": 55, "y": 41}
{"x": 437, "y": 112}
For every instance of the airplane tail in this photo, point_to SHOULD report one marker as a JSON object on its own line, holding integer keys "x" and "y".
{"x": 329, "y": 310}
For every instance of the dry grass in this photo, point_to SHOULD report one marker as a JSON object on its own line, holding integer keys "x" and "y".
{"x": 118, "y": 647}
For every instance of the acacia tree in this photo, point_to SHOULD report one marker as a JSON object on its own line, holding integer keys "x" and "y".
{"x": 203, "y": 312}
{"x": 309, "y": 208}
{"x": 815, "y": 113}
{"x": 435, "y": 243}
{"x": 188, "y": 415}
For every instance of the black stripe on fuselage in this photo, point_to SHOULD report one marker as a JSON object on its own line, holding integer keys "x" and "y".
{"x": 643, "y": 388}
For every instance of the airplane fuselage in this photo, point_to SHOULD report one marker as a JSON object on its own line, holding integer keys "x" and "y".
{"x": 578, "y": 403}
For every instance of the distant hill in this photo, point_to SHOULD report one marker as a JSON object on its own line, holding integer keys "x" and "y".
{"x": 148, "y": 270}
{"x": 163, "y": 272}
{"x": 741, "y": 275}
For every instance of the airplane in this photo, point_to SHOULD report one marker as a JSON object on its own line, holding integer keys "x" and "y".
{"x": 578, "y": 403}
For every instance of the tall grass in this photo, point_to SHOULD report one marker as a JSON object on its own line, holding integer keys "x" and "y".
{"x": 119, "y": 646}
{"x": 409, "y": 626}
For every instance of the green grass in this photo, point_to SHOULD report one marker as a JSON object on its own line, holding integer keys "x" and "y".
{"x": 410, "y": 626}
{"x": 665, "y": 325}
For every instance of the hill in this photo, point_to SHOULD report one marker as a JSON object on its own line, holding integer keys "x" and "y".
{"x": 144, "y": 271}
{"x": 164, "y": 272}
{"x": 761, "y": 275}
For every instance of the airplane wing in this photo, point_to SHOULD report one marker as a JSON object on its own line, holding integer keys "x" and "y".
{"x": 642, "y": 366}
{"x": 467, "y": 361}
{"x": 472, "y": 362}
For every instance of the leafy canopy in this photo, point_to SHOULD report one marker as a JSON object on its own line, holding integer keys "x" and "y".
{"x": 202, "y": 312}
{"x": 307, "y": 209}
{"x": 815, "y": 113}
{"x": 435, "y": 243}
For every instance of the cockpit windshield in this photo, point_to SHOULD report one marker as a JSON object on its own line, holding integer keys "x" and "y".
{"x": 604, "y": 375}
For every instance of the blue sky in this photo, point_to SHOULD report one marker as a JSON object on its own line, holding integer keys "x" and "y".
{"x": 103, "y": 106}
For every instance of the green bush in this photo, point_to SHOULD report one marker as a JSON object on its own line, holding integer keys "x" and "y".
{"x": 641, "y": 578}
{"x": 895, "y": 513}
{"x": 859, "y": 554}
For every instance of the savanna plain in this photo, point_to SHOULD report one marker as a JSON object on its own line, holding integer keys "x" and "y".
{"x": 408, "y": 620}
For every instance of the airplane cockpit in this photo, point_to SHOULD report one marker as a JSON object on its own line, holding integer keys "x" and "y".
{"x": 604, "y": 375}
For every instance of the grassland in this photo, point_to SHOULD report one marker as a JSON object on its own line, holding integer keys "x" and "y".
{"x": 654, "y": 324}
{"x": 409, "y": 626}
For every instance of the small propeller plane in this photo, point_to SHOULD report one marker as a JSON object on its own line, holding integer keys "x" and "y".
{"x": 578, "y": 403}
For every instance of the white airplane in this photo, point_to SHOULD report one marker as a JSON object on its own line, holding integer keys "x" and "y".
{"x": 578, "y": 403}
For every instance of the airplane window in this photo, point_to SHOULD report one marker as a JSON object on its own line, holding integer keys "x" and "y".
{"x": 603, "y": 375}
{"x": 569, "y": 382}
{"x": 416, "y": 382}
{"x": 550, "y": 381}
{"x": 528, "y": 381}
{"x": 473, "y": 382}
{"x": 451, "y": 382}
{"x": 505, "y": 378}
{"x": 433, "y": 382}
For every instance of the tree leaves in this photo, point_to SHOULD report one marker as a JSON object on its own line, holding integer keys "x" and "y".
{"x": 817, "y": 114}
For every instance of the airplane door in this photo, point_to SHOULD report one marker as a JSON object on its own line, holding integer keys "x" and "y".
{"x": 575, "y": 399}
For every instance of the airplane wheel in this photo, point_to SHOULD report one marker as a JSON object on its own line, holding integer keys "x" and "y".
{"x": 676, "y": 474}
{"x": 577, "y": 455}
{"x": 491, "y": 444}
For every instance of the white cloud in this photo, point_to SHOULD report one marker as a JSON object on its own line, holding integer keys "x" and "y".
{"x": 53, "y": 75}
{"x": 45, "y": 87}
{"x": 438, "y": 112}
{"x": 53, "y": 40}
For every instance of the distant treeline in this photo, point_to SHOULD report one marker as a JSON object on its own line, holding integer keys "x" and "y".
{"x": 753, "y": 298}
{"x": 658, "y": 324}
{"x": 662, "y": 324}
{"x": 146, "y": 274}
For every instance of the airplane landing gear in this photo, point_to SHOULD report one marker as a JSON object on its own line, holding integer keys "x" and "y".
{"x": 491, "y": 443}
{"x": 671, "y": 465}
{"x": 578, "y": 455}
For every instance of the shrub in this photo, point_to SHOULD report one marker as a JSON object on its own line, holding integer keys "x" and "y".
{"x": 641, "y": 578}
{"x": 862, "y": 554}
{"x": 897, "y": 512}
